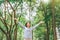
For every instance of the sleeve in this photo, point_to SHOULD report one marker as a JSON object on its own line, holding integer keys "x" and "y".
{"x": 32, "y": 28}
{"x": 20, "y": 24}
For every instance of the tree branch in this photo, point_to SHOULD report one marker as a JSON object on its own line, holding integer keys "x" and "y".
{"x": 3, "y": 30}
{"x": 10, "y": 5}
{"x": 3, "y": 21}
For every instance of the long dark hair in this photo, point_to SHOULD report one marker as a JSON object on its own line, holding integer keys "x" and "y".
{"x": 27, "y": 22}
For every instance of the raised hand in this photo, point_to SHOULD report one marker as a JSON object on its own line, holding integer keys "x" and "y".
{"x": 41, "y": 22}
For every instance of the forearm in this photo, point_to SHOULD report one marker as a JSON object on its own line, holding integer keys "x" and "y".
{"x": 20, "y": 24}
{"x": 37, "y": 25}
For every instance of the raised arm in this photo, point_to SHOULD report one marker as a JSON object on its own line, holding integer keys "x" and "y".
{"x": 37, "y": 25}
{"x": 20, "y": 24}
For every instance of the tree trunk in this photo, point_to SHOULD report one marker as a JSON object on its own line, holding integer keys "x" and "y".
{"x": 15, "y": 33}
{"x": 15, "y": 30}
{"x": 53, "y": 21}
{"x": 8, "y": 36}
{"x": 46, "y": 22}
{"x": 47, "y": 33}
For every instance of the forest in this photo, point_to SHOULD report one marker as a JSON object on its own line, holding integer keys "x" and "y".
{"x": 33, "y": 11}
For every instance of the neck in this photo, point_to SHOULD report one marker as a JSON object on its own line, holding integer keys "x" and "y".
{"x": 28, "y": 27}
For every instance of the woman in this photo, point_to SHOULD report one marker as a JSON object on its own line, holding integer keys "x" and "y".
{"x": 28, "y": 29}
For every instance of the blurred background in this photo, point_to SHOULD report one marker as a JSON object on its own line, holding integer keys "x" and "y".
{"x": 33, "y": 11}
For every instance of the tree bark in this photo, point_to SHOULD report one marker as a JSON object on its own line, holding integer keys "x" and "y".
{"x": 53, "y": 20}
{"x": 15, "y": 33}
{"x": 8, "y": 36}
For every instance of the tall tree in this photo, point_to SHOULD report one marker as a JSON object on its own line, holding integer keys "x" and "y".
{"x": 46, "y": 20}
{"x": 53, "y": 20}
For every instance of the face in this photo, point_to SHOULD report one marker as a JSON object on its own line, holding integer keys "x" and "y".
{"x": 28, "y": 25}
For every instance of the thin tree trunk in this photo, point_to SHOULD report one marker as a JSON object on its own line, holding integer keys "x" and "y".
{"x": 53, "y": 20}
{"x": 46, "y": 22}
{"x": 47, "y": 33}
{"x": 15, "y": 33}
{"x": 8, "y": 36}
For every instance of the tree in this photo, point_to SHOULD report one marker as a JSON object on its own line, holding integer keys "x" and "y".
{"x": 54, "y": 20}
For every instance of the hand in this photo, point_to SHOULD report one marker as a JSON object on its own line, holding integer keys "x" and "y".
{"x": 41, "y": 21}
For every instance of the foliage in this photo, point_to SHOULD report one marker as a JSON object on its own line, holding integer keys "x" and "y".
{"x": 43, "y": 12}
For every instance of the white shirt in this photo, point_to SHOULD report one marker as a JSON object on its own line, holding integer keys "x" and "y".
{"x": 28, "y": 31}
